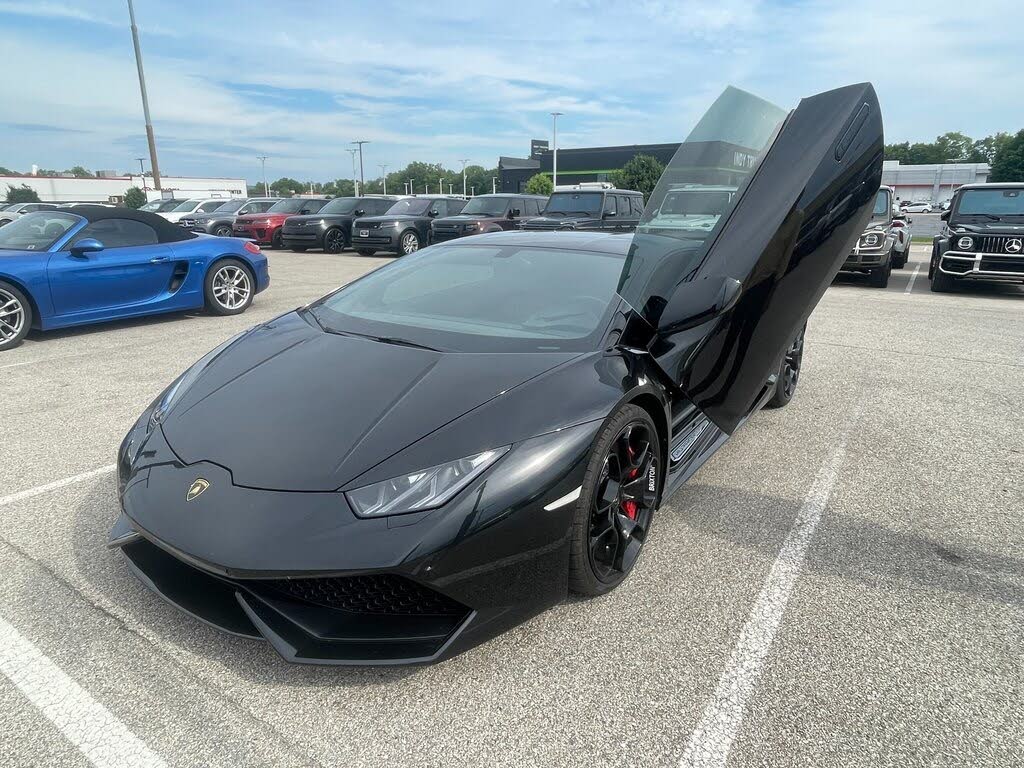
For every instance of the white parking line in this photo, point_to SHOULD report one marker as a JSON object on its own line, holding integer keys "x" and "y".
{"x": 27, "y": 494}
{"x": 104, "y": 740}
{"x": 713, "y": 737}
{"x": 913, "y": 277}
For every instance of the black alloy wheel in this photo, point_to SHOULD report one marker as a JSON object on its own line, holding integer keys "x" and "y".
{"x": 334, "y": 240}
{"x": 789, "y": 372}
{"x": 277, "y": 241}
{"x": 617, "y": 503}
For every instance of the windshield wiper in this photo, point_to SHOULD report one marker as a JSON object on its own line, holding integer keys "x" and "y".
{"x": 384, "y": 339}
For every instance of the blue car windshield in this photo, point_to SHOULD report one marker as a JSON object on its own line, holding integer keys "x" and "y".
{"x": 36, "y": 231}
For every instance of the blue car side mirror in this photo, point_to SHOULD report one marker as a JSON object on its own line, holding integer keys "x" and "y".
{"x": 86, "y": 245}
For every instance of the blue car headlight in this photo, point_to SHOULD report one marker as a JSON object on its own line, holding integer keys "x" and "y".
{"x": 419, "y": 491}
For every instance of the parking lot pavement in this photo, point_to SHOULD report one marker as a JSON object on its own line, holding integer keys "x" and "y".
{"x": 888, "y": 633}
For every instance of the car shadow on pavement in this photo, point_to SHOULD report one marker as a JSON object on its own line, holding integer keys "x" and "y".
{"x": 857, "y": 550}
{"x": 36, "y": 335}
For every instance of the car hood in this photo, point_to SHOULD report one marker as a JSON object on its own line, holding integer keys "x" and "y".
{"x": 290, "y": 407}
{"x": 989, "y": 228}
{"x": 395, "y": 217}
{"x": 262, "y": 216}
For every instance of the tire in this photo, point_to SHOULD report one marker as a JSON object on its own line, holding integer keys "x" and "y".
{"x": 277, "y": 240}
{"x": 408, "y": 242}
{"x": 879, "y": 276}
{"x": 365, "y": 251}
{"x": 789, "y": 372}
{"x": 15, "y": 316}
{"x": 608, "y": 533}
{"x": 298, "y": 248}
{"x": 334, "y": 240}
{"x": 224, "y": 285}
{"x": 941, "y": 282}
{"x": 223, "y": 231}
{"x": 899, "y": 259}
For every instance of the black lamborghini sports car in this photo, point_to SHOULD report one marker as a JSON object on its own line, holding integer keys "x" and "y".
{"x": 450, "y": 444}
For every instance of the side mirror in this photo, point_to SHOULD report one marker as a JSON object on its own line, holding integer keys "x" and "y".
{"x": 515, "y": 212}
{"x": 608, "y": 214}
{"x": 944, "y": 215}
{"x": 305, "y": 212}
{"x": 86, "y": 246}
{"x": 697, "y": 302}
{"x": 432, "y": 213}
{"x": 359, "y": 212}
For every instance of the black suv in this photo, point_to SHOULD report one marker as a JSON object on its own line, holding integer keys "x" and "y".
{"x": 405, "y": 228}
{"x": 609, "y": 210}
{"x": 983, "y": 237}
{"x": 220, "y": 220}
{"x": 488, "y": 213}
{"x": 331, "y": 227}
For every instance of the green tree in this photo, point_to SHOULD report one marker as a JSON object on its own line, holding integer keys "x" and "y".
{"x": 7, "y": 172}
{"x": 985, "y": 150}
{"x": 479, "y": 177}
{"x": 22, "y": 194}
{"x": 1008, "y": 163}
{"x": 134, "y": 197}
{"x": 539, "y": 184}
{"x": 640, "y": 174}
{"x": 287, "y": 187}
{"x": 81, "y": 173}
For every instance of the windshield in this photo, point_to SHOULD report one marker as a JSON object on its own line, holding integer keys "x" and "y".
{"x": 487, "y": 206}
{"x": 482, "y": 299}
{"x": 36, "y": 231}
{"x": 160, "y": 206}
{"x": 724, "y": 148}
{"x": 994, "y": 202}
{"x": 288, "y": 205}
{"x": 564, "y": 203}
{"x": 697, "y": 208}
{"x": 412, "y": 206}
{"x": 229, "y": 207}
{"x": 341, "y": 205}
{"x": 883, "y": 206}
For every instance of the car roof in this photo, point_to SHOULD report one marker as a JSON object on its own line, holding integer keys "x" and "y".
{"x": 612, "y": 191}
{"x": 166, "y": 231}
{"x": 994, "y": 185}
{"x": 602, "y": 242}
{"x": 519, "y": 195}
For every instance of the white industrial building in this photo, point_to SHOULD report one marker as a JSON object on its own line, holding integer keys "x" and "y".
{"x": 932, "y": 183}
{"x": 110, "y": 188}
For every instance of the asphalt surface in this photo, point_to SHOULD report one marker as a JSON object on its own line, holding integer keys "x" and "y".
{"x": 896, "y": 640}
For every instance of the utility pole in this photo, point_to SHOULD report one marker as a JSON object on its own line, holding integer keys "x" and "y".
{"x": 554, "y": 148}
{"x": 266, "y": 189}
{"x": 145, "y": 99}
{"x": 464, "y": 176}
{"x": 362, "y": 183}
{"x": 355, "y": 181}
{"x": 384, "y": 176}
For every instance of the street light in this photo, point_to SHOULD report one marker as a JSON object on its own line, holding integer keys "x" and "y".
{"x": 355, "y": 181}
{"x": 384, "y": 176}
{"x": 464, "y": 176}
{"x": 554, "y": 148}
{"x": 360, "y": 143}
{"x": 494, "y": 184}
{"x": 142, "y": 172}
{"x": 145, "y": 99}
{"x": 263, "y": 161}
{"x": 412, "y": 189}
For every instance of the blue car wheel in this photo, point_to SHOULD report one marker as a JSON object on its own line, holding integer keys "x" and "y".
{"x": 230, "y": 288}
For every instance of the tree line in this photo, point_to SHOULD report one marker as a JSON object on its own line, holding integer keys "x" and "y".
{"x": 432, "y": 178}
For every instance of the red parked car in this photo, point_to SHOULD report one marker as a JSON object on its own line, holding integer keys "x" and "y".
{"x": 265, "y": 228}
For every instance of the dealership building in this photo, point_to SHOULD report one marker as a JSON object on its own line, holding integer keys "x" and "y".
{"x": 723, "y": 162}
{"x": 109, "y": 187}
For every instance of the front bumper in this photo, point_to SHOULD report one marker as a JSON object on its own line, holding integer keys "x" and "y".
{"x": 262, "y": 234}
{"x": 323, "y": 587}
{"x": 864, "y": 259}
{"x": 309, "y": 238}
{"x": 982, "y": 266}
{"x": 381, "y": 239}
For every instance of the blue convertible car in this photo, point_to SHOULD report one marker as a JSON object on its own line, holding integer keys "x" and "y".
{"x": 89, "y": 263}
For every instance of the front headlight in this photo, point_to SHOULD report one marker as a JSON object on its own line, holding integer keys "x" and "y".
{"x": 182, "y": 384}
{"x": 396, "y": 224}
{"x": 471, "y": 227}
{"x": 965, "y": 243}
{"x": 871, "y": 240}
{"x": 426, "y": 489}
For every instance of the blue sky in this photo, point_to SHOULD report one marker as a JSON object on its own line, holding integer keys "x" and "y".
{"x": 438, "y": 81}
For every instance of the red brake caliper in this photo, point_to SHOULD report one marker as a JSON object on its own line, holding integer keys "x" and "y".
{"x": 629, "y": 506}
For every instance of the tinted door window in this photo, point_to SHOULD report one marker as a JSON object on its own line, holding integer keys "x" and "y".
{"x": 379, "y": 207}
{"x": 609, "y": 204}
{"x": 119, "y": 233}
{"x": 211, "y": 206}
{"x": 455, "y": 206}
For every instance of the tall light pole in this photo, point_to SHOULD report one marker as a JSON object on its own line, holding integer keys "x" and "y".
{"x": 362, "y": 183}
{"x": 263, "y": 162}
{"x": 355, "y": 181}
{"x": 494, "y": 184}
{"x": 464, "y": 176}
{"x": 145, "y": 99}
{"x": 440, "y": 186}
{"x": 384, "y": 176}
{"x": 554, "y": 148}
{"x": 412, "y": 189}
{"x": 142, "y": 172}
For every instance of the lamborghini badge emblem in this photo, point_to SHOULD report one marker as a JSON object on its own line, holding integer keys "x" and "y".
{"x": 196, "y": 489}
